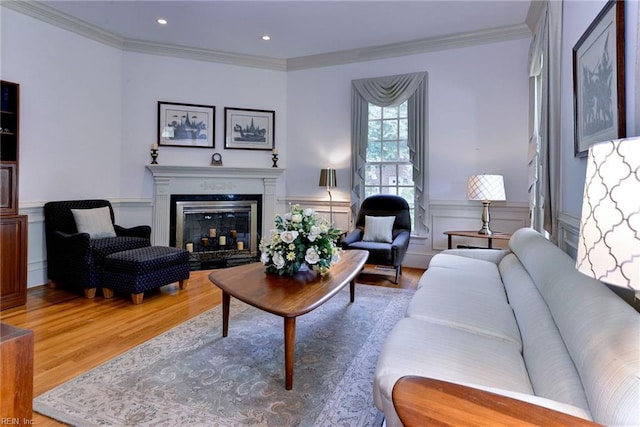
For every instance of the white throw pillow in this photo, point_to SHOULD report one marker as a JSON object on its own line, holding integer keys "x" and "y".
{"x": 378, "y": 229}
{"x": 96, "y": 222}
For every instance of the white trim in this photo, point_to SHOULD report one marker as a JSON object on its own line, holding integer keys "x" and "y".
{"x": 42, "y": 12}
{"x": 414, "y": 47}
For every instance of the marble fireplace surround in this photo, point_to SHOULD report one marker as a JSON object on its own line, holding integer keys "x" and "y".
{"x": 168, "y": 180}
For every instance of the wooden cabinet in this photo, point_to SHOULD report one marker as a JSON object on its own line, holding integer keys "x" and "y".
{"x": 16, "y": 360}
{"x": 13, "y": 227}
{"x": 13, "y": 261}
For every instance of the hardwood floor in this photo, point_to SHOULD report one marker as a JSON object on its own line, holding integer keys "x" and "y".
{"x": 74, "y": 334}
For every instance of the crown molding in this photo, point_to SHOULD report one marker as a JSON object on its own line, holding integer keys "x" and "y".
{"x": 453, "y": 41}
{"x": 42, "y": 12}
{"x": 199, "y": 54}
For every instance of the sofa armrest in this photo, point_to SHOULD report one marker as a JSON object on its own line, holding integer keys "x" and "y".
{"x": 492, "y": 255}
{"x": 143, "y": 231}
{"x": 352, "y": 237}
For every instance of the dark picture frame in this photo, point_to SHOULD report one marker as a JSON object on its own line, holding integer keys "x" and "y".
{"x": 598, "y": 80}
{"x": 186, "y": 125}
{"x": 249, "y": 129}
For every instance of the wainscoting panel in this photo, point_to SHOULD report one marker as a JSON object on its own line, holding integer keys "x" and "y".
{"x": 568, "y": 234}
{"x": 463, "y": 215}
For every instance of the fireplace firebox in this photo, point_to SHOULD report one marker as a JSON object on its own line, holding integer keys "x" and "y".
{"x": 218, "y": 230}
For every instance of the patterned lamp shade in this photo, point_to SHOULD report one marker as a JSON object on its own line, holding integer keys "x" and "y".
{"x": 485, "y": 187}
{"x": 609, "y": 245}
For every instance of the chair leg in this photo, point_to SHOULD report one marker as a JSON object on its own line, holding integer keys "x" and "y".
{"x": 52, "y": 284}
{"x": 89, "y": 293}
{"x": 137, "y": 298}
{"x": 184, "y": 283}
{"x": 108, "y": 293}
{"x": 398, "y": 272}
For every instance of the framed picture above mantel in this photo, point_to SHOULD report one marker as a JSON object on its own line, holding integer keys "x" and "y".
{"x": 186, "y": 125}
{"x": 598, "y": 80}
{"x": 248, "y": 129}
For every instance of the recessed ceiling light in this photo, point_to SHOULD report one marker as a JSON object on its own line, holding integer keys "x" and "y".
{"x": 162, "y": 21}
{"x": 265, "y": 37}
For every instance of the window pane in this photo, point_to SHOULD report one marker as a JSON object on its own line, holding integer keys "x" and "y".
{"x": 374, "y": 151}
{"x": 372, "y": 175}
{"x": 370, "y": 191}
{"x": 404, "y": 152}
{"x": 405, "y": 175}
{"x": 375, "y": 112}
{"x": 389, "y": 151}
{"x": 390, "y": 112}
{"x": 389, "y": 175}
{"x": 374, "y": 132}
{"x": 402, "y": 109}
{"x": 390, "y": 190}
{"x": 408, "y": 194}
{"x": 404, "y": 129}
{"x": 389, "y": 129}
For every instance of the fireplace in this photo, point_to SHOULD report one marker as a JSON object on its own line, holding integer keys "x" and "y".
{"x": 219, "y": 230}
{"x": 208, "y": 180}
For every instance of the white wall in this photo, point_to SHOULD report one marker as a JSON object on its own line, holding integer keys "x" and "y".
{"x": 478, "y": 118}
{"x": 149, "y": 79}
{"x": 577, "y": 16}
{"x": 70, "y": 123}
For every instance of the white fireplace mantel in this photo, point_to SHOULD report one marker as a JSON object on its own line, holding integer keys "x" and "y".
{"x": 170, "y": 180}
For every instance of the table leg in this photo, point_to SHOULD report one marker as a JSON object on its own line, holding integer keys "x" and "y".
{"x": 449, "y": 242}
{"x": 352, "y": 290}
{"x": 226, "y": 301}
{"x": 490, "y": 242}
{"x": 289, "y": 348}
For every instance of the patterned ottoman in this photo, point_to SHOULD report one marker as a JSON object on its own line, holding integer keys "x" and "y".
{"x": 143, "y": 269}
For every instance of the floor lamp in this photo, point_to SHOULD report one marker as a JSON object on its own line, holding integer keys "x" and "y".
{"x": 486, "y": 188}
{"x": 328, "y": 180}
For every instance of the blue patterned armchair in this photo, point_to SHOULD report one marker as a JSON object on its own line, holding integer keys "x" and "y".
{"x": 74, "y": 260}
{"x": 389, "y": 251}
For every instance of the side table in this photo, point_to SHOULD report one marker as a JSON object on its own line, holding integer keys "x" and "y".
{"x": 475, "y": 234}
{"x": 423, "y": 401}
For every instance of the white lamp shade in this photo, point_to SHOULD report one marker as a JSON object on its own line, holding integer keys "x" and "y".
{"x": 609, "y": 244}
{"x": 485, "y": 187}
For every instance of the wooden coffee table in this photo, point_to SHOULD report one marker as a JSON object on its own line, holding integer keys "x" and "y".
{"x": 288, "y": 297}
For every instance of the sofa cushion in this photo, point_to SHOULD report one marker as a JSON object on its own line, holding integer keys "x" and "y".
{"x": 551, "y": 370}
{"x": 469, "y": 263}
{"x": 488, "y": 284}
{"x": 465, "y": 309}
{"x": 416, "y": 347}
{"x": 601, "y": 331}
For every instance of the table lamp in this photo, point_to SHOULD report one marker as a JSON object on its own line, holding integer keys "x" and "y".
{"x": 328, "y": 180}
{"x": 609, "y": 242}
{"x": 486, "y": 188}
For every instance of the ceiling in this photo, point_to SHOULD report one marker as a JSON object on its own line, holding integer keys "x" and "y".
{"x": 298, "y": 28}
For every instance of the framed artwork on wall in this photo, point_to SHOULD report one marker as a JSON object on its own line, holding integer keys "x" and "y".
{"x": 598, "y": 80}
{"x": 247, "y": 129}
{"x": 186, "y": 125}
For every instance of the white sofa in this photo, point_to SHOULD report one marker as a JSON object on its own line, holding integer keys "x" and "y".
{"x": 522, "y": 323}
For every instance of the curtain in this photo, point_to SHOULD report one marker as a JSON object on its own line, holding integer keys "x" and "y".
{"x": 385, "y": 92}
{"x": 544, "y": 69}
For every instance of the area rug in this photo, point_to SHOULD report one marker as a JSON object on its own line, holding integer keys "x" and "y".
{"x": 191, "y": 375}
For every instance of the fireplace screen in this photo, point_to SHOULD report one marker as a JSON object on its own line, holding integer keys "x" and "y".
{"x": 218, "y": 233}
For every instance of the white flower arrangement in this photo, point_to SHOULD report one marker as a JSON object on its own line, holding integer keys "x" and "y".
{"x": 300, "y": 237}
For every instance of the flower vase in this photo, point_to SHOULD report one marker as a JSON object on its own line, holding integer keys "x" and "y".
{"x": 304, "y": 274}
